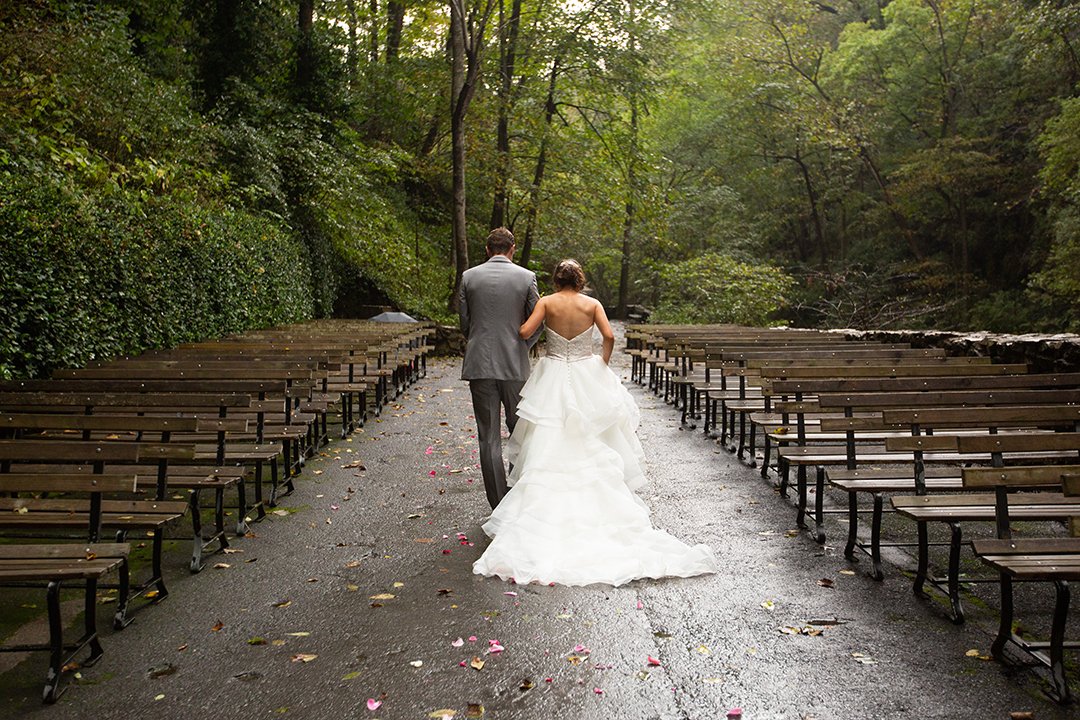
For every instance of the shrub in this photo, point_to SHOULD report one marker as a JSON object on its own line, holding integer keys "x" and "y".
{"x": 716, "y": 288}
{"x": 88, "y": 278}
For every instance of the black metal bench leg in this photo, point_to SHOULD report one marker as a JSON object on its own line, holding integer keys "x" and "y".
{"x": 241, "y": 508}
{"x": 922, "y": 570}
{"x": 785, "y": 477}
{"x": 56, "y": 645}
{"x": 1005, "y": 619}
{"x": 90, "y": 634}
{"x": 853, "y": 526}
{"x": 121, "y": 619}
{"x": 1059, "y": 684}
{"x": 767, "y": 457}
{"x": 752, "y": 462}
{"x": 875, "y": 539}
{"x": 156, "y": 564}
{"x": 742, "y": 436}
{"x": 196, "y": 531}
{"x": 955, "y": 541}
{"x": 800, "y": 475}
{"x": 819, "y": 506}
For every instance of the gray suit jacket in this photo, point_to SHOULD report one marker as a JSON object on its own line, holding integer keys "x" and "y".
{"x": 496, "y": 298}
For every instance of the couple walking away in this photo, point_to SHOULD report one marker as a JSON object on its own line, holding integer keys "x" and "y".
{"x": 571, "y": 516}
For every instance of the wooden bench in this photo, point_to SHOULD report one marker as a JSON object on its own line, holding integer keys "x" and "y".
{"x": 1053, "y": 560}
{"x": 1050, "y": 449}
{"x": 165, "y": 476}
{"x": 58, "y": 515}
{"x": 53, "y": 566}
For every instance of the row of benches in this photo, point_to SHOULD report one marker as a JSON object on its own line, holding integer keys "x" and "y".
{"x": 132, "y": 444}
{"x": 947, "y": 440}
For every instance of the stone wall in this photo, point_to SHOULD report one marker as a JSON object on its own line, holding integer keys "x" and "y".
{"x": 1042, "y": 353}
{"x": 449, "y": 341}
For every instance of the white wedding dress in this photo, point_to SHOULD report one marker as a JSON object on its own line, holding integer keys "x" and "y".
{"x": 572, "y": 516}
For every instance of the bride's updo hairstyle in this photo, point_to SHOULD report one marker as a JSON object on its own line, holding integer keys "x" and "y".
{"x": 568, "y": 274}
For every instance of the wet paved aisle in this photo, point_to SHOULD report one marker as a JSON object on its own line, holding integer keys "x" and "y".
{"x": 361, "y": 589}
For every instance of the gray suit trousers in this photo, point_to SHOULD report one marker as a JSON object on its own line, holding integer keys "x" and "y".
{"x": 488, "y": 397}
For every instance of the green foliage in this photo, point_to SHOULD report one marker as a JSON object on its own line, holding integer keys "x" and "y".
{"x": 86, "y": 279}
{"x": 716, "y": 288}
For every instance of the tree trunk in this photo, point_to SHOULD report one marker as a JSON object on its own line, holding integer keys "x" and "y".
{"x": 305, "y": 57}
{"x": 508, "y": 36}
{"x": 353, "y": 57}
{"x": 466, "y": 47}
{"x": 815, "y": 215}
{"x": 395, "y": 22}
{"x": 373, "y": 32}
{"x": 541, "y": 164}
{"x": 628, "y": 220}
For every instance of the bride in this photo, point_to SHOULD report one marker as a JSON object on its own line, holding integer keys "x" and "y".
{"x": 572, "y": 516}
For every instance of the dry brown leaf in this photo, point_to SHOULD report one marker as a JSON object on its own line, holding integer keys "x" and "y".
{"x": 477, "y": 663}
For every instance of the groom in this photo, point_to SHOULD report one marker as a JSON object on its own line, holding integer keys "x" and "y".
{"x": 496, "y": 298}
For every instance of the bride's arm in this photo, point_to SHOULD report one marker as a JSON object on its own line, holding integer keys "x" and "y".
{"x": 535, "y": 320}
{"x": 602, "y": 324}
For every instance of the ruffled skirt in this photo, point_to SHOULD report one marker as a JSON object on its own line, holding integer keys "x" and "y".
{"x": 571, "y": 516}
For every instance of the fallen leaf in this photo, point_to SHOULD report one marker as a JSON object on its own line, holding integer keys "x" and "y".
{"x": 526, "y": 684}
{"x": 352, "y": 564}
{"x": 217, "y": 626}
{"x": 159, "y": 697}
{"x": 702, "y": 650}
{"x": 303, "y": 657}
{"x": 825, "y": 582}
{"x": 256, "y": 641}
{"x": 222, "y": 566}
{"x": 477, "y": 663}
{"x": 282, "y": 603}
{"x": 768, "y": 605}
{"x": 399, "y": 584}
{"x": 417, "y": 663}
{"x": 382, "y": 596}
{"x": 277, "y": 643}
{"x": 474, "y": 710}
{"x": 280, "y": 513}
{"x": 298, "y": 634}
{"x": 847, "y": 572}
{"x": 444, "y": 714}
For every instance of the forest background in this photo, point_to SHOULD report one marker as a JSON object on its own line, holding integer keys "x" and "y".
{"x": 179, "y": 170}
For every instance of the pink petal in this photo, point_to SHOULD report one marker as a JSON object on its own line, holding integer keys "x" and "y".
{"x": 598, "y": 691}
{"x": 446, "y": 552}
{"x": 496, "y": 649}
{"x": 334, "y": 507}
{"x": 472, "y": 638}
{"x": 640, "y": 606}
{"x": 548, "y": 680}
{"x": 432, "y": 473}
{"x": 650, "y": 660}
{"x": 458, "y": 643}
{"x": 580, "y": 649}
{"x": 429, "y": 450}
{"x": 373, "y": 704}
{"x": 735, "y": 712}
{"x": 511, "y": 593}
{"x": 461, "y": 664}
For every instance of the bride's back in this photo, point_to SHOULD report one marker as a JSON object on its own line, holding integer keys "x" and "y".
{"x": 569, "y": 313}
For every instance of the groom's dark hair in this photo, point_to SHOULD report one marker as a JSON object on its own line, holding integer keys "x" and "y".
{"x": 499, "y": 241}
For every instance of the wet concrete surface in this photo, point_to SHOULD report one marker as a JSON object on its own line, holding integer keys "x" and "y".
{"x": 300, "y": 624}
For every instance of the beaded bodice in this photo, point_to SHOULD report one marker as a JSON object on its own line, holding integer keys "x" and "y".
{"x": 579, "y": 347}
